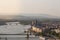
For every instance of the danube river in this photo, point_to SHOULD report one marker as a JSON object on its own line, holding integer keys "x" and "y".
{"x": 15, "y": 28}
{"x": 20, "y": 38}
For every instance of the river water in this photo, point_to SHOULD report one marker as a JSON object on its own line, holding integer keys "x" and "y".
{"x": 20, "y": 38}
{"x": 15, "y": 28}
{"x": 12, "y": 28}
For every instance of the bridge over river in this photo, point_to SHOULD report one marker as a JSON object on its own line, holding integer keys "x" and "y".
{"x": 17, "y": 37}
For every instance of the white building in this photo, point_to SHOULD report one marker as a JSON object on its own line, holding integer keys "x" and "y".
{"x": 46, "y": 38}
{"x": 57, "y": 30}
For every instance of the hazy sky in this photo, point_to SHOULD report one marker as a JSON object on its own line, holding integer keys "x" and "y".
{"x": 16, "y": 7}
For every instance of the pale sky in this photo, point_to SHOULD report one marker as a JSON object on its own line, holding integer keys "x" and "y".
{"x": 18, "y": 7}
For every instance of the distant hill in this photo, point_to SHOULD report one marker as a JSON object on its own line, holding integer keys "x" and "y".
{"x": 34, "y": 17}
{"x": 29, "y": 17}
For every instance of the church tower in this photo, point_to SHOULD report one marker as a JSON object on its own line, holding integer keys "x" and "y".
{"x": 34, "y": 23}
